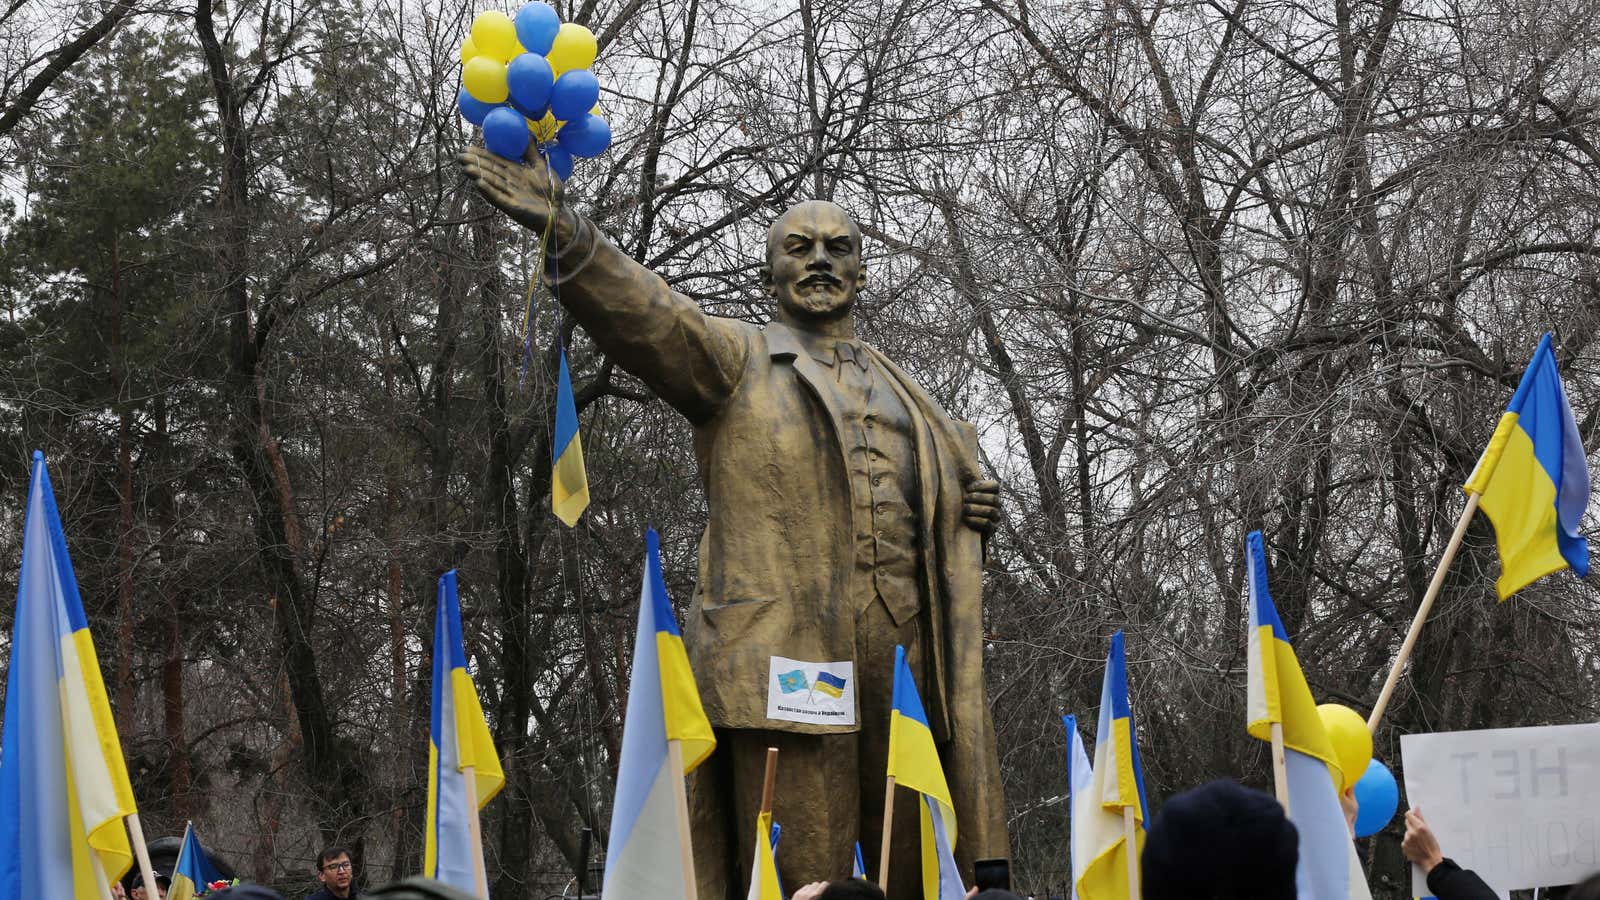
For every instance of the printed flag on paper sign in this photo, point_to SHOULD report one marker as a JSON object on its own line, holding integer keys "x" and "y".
{"x": 830, "y": 684}
{"x": 815, "y": 693}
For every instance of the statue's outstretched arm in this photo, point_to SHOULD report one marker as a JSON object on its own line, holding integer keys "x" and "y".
{"x": 691, "y": 359}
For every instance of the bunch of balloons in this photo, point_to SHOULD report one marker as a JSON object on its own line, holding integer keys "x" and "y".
{"x": 528, "y": 79}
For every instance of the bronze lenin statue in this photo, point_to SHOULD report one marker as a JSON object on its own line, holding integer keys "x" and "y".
{"x": 846, "y": 515}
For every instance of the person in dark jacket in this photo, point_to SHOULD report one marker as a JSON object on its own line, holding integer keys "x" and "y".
{"x": 1447, "y": 880}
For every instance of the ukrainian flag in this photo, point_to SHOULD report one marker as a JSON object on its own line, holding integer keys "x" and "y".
{"x": 458, "y": 737}
{"x": 569, "y": 482}
{"x": 663, "y": 705}
{"x": 1080, "y": 775}
{"x": 1534, "y": 478}
{"x": 1116, "y": 782}
{"x": 63, "y": 783}
{"x": 764, "y": 869}
{"x": 914, "y": 762}
{"x": 193, "y": 870}
{"x": 1278, "y": 693}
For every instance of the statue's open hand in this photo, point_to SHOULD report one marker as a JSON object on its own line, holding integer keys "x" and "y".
{"x": 528, "y": 194}
{"x": 980, "y": 506}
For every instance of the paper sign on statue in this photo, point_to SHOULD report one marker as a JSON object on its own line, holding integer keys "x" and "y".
{"x": 815, "y": 693}
{"x": 1519, "y": 806}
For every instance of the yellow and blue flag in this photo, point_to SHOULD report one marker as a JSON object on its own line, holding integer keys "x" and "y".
{"x": 458, "y": 737}
{"x": 569, "y": 482}
{"x": 63, "y": 784}
{"x": 858, "y": 868}
{"x": 663, "y": 705}
{"x": 1278, "y": 693}
{"x": 1534, "y": 478}
{"x": 1116, "y": 782}
{"x": 830, "y": 684}
{"x": 193, "y": 873}
{"x": 914, "y": 763}
{"x": 764, "y": 868}
{"x": 1080, "y": 776}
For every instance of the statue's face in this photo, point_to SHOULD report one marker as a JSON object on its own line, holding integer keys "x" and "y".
{"x": 814, "y": 266}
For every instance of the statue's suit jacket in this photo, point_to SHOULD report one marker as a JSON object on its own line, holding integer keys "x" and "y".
{"x": 777, "y": 552}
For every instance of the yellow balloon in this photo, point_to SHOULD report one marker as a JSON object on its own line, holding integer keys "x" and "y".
{"x": 468, "y": 50}
{"x": 1352, "y": 742}
{"x": 495, "y": 35}
{"x": 574, "y": 48}
{"x": 544, "y": 129}
{"x": 485, "y": 79}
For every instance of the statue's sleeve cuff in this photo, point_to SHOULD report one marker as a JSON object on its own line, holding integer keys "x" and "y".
{"x": 563, "y": 266}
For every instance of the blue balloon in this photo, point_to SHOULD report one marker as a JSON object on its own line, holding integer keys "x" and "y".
{"x": 586, "y": 137}
{"x": 473, "y": 109}
{"x": 529, "y": 77}
{"x": 575, "y": 93}
{"x": 1378, "y": 796}
{"x": 560, "y": 160}
{"x": 537, "y": 25}
{"x": 505, "y": 133}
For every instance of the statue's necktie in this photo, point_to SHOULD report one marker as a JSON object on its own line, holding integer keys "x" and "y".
{"x": 851, "y": 352}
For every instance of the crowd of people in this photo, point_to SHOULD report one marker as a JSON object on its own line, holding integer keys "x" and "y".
{"x": 1219, "y": 841}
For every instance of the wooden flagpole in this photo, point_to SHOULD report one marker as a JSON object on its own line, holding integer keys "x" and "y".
{"x": 1130, "y": 849}
{"x": 141, "y": 852}
{"x": 1280, "y": 770}
{"x": 770, "y": 782}
{"x": 1434, "y": 586}
{"x": 680, "y": 796}
{"x": 475, "y": 828}
{"x": 888, "y": 829}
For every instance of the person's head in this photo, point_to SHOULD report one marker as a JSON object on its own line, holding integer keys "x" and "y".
{"x": 1220, "y": 841}
{"x": 995, "y": 894}
{"x": 334, "y": 868}
{"x": 814, "y": 268}
{"x": 851, "y": 889}
{"x": 133, "y": 883}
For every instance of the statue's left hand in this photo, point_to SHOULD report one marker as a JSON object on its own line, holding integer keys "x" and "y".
{"x": 980, "y": 506}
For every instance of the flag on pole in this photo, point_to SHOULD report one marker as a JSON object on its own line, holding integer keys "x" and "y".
{"x": 1534, "y": 478}
{"x": 858, "y": 868}
{"x": 193, "y": 871}
{"x": 1116, "y": 782}
{"x": 663, "y": 705}
{"x": 63, "y": 784}
{"x": 569, "y": 482}
{"x": 458, "y": 737}
{"x": 1329, "y": 868}
{"x": 914, "y": 763}
{"x": 764, "y": 869}
{"x": 1079, "y": 776}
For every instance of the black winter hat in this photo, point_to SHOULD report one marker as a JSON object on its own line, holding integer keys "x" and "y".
{"x": 1223, "y": 841}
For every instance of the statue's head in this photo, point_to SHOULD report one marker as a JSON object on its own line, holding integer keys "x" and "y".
{"x": 814, "y": 268}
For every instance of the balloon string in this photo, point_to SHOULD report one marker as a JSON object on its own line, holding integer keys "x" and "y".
{"x": 547, "y": 246}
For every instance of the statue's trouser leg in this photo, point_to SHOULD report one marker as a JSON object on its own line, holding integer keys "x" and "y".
{"x": 829, "y": 791}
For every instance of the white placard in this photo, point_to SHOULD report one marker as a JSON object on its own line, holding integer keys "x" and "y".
{"x": 816, "y": 693}
{"x": 1519, "y": 806}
